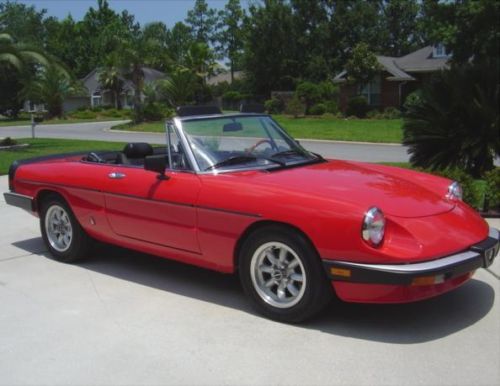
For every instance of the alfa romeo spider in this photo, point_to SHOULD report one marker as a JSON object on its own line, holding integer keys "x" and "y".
{"x": 236, "y": 193}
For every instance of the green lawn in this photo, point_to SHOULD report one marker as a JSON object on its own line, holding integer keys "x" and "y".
{"x": 45, "y": 146}
{"x": 26, "y": 122}
{"x": 364, "y": 130}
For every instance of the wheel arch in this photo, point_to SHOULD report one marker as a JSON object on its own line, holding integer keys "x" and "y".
{"x": 45, "y": 192}
{"x": 260, "y": 225}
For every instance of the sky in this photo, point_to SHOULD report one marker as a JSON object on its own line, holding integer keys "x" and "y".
{"x": 145, "y": 11}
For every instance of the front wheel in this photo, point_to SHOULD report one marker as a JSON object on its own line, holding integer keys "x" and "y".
{"x": 282, "y": 275}
{"x": 61, "y": 232}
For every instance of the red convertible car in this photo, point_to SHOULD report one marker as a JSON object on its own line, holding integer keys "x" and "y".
{"x": 235, "y": 193}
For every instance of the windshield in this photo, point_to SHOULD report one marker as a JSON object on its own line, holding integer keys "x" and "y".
{"x": 236, "y": 142}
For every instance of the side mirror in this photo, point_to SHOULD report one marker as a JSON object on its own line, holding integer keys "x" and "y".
{"x": 156, "y": 164}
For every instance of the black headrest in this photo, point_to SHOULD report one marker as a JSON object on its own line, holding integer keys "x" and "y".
{"x": 186, "y": 111}
{"x": 137, "y": 150}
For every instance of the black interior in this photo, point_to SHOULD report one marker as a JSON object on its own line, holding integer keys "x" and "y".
{"x": 133, "y": 154}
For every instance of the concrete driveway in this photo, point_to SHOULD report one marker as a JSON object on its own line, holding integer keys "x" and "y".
{"x": 123, "y": 318}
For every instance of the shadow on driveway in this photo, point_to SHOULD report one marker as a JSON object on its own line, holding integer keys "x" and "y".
{"x": 399, "y": 324}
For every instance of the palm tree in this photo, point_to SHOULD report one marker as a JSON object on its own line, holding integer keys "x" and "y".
{"x": 201, "y": 61}
{"x": 455, "y": 122}
{"x": 178, "y": 88}
{"x": 52, "y": 85}
{"x": 18, "y": 56}
{"x": 111, "y": 80}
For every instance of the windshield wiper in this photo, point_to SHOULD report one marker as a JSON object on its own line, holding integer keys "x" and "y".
{"x": 290, "y": 152}
{"x": 239, "y": 159}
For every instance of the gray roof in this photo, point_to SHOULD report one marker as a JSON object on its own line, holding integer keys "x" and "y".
{"x": 91, "y": 81}
{"x": 400, "y": 69}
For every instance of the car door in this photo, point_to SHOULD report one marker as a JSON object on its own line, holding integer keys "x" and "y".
{"x": 142, "y": 207}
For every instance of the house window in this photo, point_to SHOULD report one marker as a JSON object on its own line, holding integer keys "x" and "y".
{"x": 439, "y": 51}
{"x": 371, "y": 91}
{"x": 96, "y": 99}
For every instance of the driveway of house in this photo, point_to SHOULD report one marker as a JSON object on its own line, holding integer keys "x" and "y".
{"x": 124, "y": 318}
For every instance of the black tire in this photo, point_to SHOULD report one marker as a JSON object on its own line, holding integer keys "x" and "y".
{"x": 309, "y": 301}
{"x": 79, "y": 244}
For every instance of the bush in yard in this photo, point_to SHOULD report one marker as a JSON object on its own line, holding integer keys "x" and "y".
{"x": 413, "y": 99}
{"x": 357, "y": 106}
{"x": 332, "y": 107}
{"x": 85, "y": 114}
{"x": 232, "y": 96}
{"x": 317, "y": 109}
{"x": 8, "y": 142}
{"x": 274, "y": 106}
{"x": 309, "y": 93}
{"x": 373, "y": 114}
{"x": 471, "y": 194}
{"x": 456, "y": 122}
{"x": 295, "y": 107}
{"x": 391, "y": 113}
{"x": 492, "y": 199}
{"x": 156, "y": 112}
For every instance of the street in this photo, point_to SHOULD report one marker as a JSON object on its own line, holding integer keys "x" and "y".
{"x": 100, "y": 131}
{"x": 123, "y": 318}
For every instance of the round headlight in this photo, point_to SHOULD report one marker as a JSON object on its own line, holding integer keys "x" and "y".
{"x": 454, "y": 191}
{"x": 373, "y": 226}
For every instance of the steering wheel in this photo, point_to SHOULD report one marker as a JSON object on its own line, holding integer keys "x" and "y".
{"x": 251, "y": 149}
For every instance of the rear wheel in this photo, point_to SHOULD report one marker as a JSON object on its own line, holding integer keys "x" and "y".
{"x": 61, "y": 232}
{"x": 282, "y": 275}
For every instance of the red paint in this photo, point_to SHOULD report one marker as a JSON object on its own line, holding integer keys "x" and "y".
{"x": 199, "y": 218}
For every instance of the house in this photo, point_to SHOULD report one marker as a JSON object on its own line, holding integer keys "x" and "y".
{"x": 97, "y": 96}
{"x": 397, "y": 78}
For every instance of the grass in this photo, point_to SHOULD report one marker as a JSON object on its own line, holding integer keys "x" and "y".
{"x": 363, "y": 130}
{"x": 45, "y": 146}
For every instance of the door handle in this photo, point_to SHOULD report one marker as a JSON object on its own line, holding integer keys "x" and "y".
{"x": 116, "y": 175}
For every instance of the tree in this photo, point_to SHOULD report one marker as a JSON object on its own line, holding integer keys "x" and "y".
{"x": 272, "y": 57}
{"x": 230, "y": 33}
{"x": 202, "y": 21}
{"x": 18, "y": 56}
{"x": 179, "y": 39}
{"x": 468, "y": 29}
{"x": 52, "y": 85}
{"x": 23, "y": 23}
{"x": 362, "y": 66}
{"x": 110, "y": 78}
{"x": 134, "y": 54}
{"x": 455, "y": 121}
{"x": 400, "y": 23}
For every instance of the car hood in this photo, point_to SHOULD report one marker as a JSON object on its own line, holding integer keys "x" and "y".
{"x": 361, "y": 184}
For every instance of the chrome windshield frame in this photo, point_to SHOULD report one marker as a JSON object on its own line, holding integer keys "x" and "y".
{"x": 178, "y": 126}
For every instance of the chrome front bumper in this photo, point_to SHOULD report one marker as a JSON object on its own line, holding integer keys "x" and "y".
{"x": 477, "y": 256}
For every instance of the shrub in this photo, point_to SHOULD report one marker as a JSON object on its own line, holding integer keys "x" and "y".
{"x": 413, "y": 99}
{"x": 456, "y": 122}
{"x": 295, "y": 107}
{"x": 472, "y": 195}
{"x": 232, "y": 96}
{"x": 373, "y": 114}
{"x": 156, "y": 112}
{"x": 274, "y": 106}
{"x": 357, "y": 106}
{"x": 391, "y": 113}
{"x": 85, "y": 114}
{"x": 332, "y": 106}
{"x": 492, "y": 194}
{"x": 8, "y": 142}
{"x": 317, "y": 109}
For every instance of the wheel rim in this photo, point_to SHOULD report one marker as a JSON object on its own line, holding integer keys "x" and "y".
{"x": 278, "y": 275}
{"x": 58, "y": 228}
